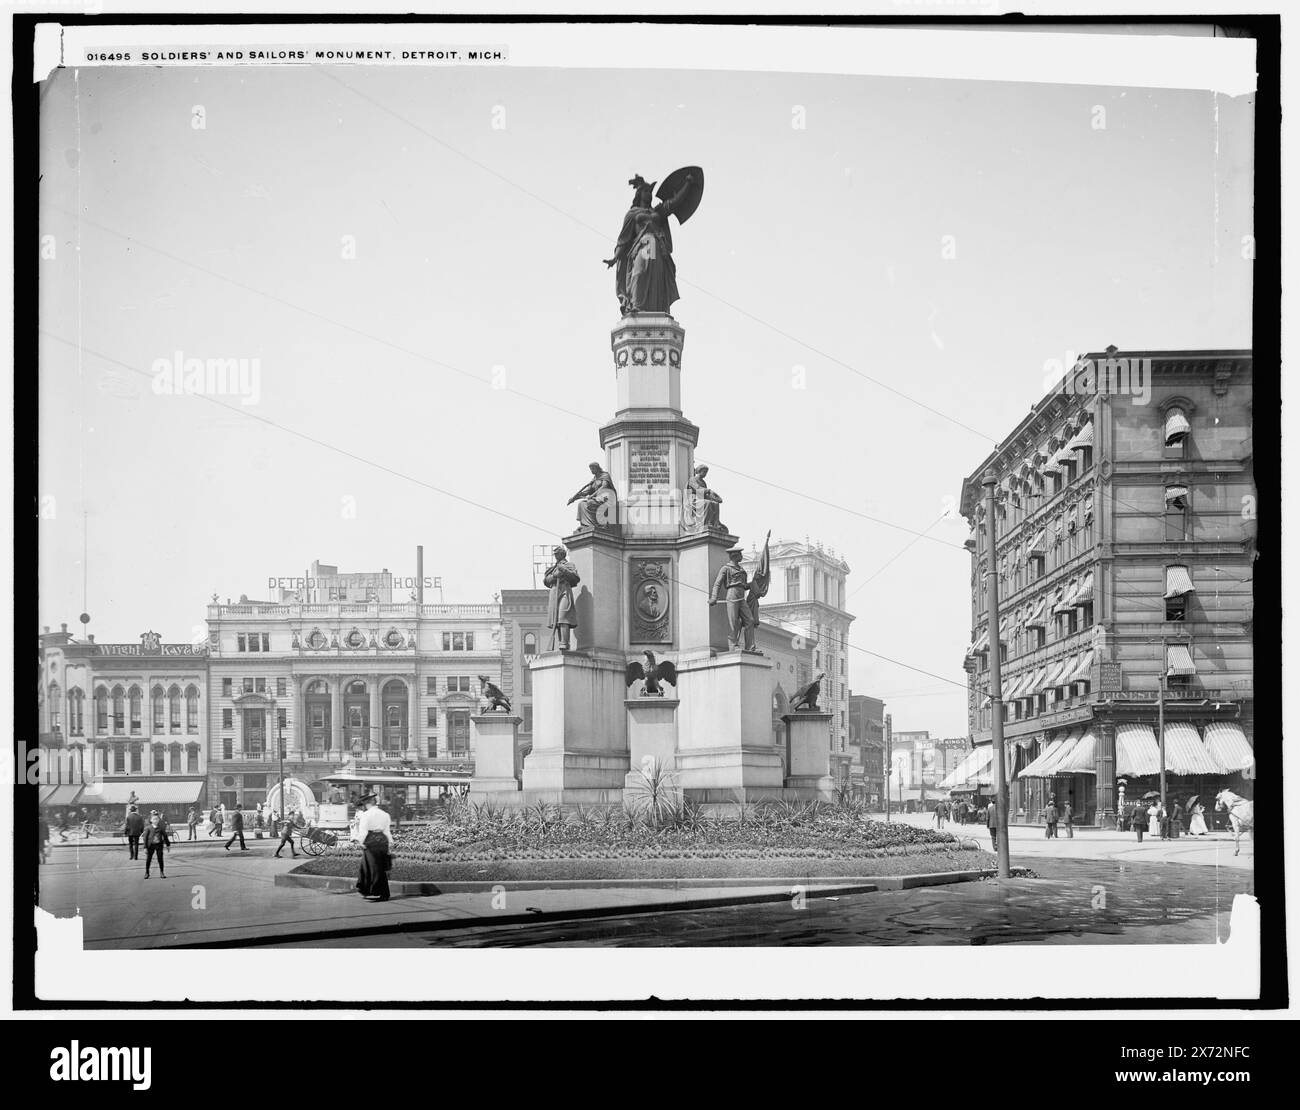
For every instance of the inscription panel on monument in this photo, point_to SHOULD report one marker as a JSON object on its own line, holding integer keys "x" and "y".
{"x": 648, "y": 467}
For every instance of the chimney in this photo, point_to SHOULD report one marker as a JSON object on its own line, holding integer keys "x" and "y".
{"x": 419, "y": 574}
{"x": 64, "y": 626}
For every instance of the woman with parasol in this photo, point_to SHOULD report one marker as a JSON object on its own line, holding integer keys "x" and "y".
{"x": 1197, "y": 825}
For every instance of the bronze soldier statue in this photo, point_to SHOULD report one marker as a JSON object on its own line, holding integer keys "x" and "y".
{"x": 730, "y": 587}
{"x": 561, "y": 613}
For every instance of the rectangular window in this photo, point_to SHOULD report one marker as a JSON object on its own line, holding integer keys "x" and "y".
{"x": 526, "y": 678}
{"x": 469, "y": 641}
{"x": 458, "y": 641}
{"x": 527, "y": 725}
{"x": 226, "y": 687}
{"x": 431, "y": 685}
{"x": 446, "y": 641}
{"x": 317, "y": 716}
{"x": 1175, "y": 523}
{"x": 266, "y": 641}
{"x": 248, "y": 686}
{"x": 1176, "y": 608}
{"x": 227, "y": 748}
{"x": 792, "y": 583}
{"x": 227, "y": 718}
{"x": 259, "y": 685}
{"x": 241, "y": 640}
{"x": 431, "y": 717}
{"x": 281, "y": 687}
{"x": 432, "y": 741}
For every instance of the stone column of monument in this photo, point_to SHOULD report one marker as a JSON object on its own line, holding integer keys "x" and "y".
{"x": 808, "y": 747}
{"x": 496, "y": 753}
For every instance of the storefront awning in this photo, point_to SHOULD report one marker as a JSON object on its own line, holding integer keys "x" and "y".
{"x": 156, "y": 792}
{"x": 1180, "y": 660}
{"x": 1228, "y": 746}
{"x": 1083, "y": 439}
{"x": 1136, "y": 752}
{"x": 1041, "y": 767}
{"x": 64, "y": 795}
{"x": 1176, "y": 426}
{"x": 969, "y": 769}
{"x": 1080, "y": 759}
{"x": 1178, "y": 582}
{"x": 1185, "y": 754}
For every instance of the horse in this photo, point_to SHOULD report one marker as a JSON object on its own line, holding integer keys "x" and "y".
{"x": 1240, "y": 812}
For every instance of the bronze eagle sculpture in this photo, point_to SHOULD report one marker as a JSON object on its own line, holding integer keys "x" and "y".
{"x": 491, "y": 691}
{"x": 651, "y": 674}
{"x": 805, "y": 697}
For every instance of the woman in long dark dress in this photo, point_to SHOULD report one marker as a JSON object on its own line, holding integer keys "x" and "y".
{"x": 646, "y": 278}
{"x": 376, "y": 840}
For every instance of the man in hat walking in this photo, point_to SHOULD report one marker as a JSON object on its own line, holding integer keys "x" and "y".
{"x": 729, "y": 588}
{"x": 376, "y": 839}
{"x": 156, "y": 838}
{"x": 237, "y": 830}
{"x": 287, "y": 829}
{"x": 134, "y": 830}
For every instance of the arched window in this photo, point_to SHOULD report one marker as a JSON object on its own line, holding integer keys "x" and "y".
{"x": 175, "y": 753}
{"x": 159, "y": 759}
{"x": 159, "y": 714}
{"x": 191, "y": 709}
{"x": 55, "y": 702}
{"x": 530, "y": 644}
{"x": 174, "y": 709}
{"x": 76, "y": 709}
{"x": 192, "y": 759}
{"x": 101, "y": 710}
{"x": 136, "y": 698}
{"x": 119, "y": 709}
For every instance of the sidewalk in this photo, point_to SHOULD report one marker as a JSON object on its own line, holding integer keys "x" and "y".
{"x": 1213, "y": 850}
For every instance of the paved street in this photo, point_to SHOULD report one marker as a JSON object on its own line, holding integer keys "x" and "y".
{"x": 1172, "y": 891}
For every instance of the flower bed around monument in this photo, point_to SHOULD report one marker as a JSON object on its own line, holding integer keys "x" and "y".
{"x": 780, "y": 838}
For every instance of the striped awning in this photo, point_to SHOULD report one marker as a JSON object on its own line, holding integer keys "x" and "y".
{"x": 1037, "y": 683}
{"x": 1176, "y": 426}
{"x": 1180, "y": 660}
{"x": 1080, "y": 759}
{"x": 1010, "y": 690}
{"x": 1066, "y": 600}
{"x": 1136, "y": 752}
{"x": 1036, "y": 614}
{"x": 1083, "y": 439}
{"x": 1038, "y": 545}
{"x": 1084, "y": 594}
{"x": 1041, "y": 768}
{"x": 1175, "y": 494}
{"x": 982, "y": 643}
{"x": 1178, "y": 582}
{"x": 1082, "y": 669}
{"x": 1229, "y": 747}
{"x": 1057, "y": 672}
{"x": 1185, "y": 754}
{"x": 969, "y": 769}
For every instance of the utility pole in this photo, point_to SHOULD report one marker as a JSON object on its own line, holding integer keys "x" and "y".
{"x": 990, "y": 484}
{"x": 1160, "y": 703}
{"x": 889, "y": 757}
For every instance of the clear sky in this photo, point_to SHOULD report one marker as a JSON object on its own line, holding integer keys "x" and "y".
{"x": 479, "y": 247}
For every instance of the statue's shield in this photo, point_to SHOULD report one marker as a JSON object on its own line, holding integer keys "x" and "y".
{"x": 691, "y": 201}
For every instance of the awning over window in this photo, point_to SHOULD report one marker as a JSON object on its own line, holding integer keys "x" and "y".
{"x": 982, "y": 643}
{"x": 1082, "y": 439}
{"x": 157, "y": 792}
{"x": 64, "y": 795}
{"x": 1080, "y": 759}
{"x": 1084, "y": 594}
{"x": 1041, "y": 768}
{"x": 1228, "y": 746}
{"x": 1178, "y": 582}
{"x": 1176, "y": 496}
{"x": 1082, "y": 669}
{"x": 1066, "y": 600}
{"x": 1036, "y": 614}
{"x": 1185, "y": 754}
{"x": 1176, "y": 426}
{"x": 1009, "y": 688}
{"x": 1180, "y": 660}
{"x": 969, "y": 769}
{"x": 1136, "y": 752}
{"x": 1038, "y": 545}
{"x": 1057, "y": 672}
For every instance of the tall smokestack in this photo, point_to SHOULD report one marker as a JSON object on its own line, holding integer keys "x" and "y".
{"x": 419, "y": 574}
